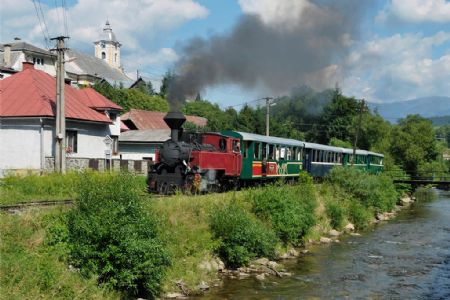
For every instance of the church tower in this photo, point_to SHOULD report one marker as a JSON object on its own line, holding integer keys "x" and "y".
{"x": 108, "y": 48}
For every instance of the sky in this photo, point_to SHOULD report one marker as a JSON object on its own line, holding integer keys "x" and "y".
{"x": 399, "y": 50}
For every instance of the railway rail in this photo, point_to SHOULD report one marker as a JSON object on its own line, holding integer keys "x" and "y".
{"x": 24, "y": 205}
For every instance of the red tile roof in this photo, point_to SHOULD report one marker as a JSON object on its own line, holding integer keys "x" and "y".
{"x": 96, "y": 100}
{"x": 32, "y": 93}
{"x": 143, "y": 119}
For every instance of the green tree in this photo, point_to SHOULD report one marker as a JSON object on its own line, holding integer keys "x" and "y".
{"x": 132, "y": 98}
{"x": 168, "y": 77}
{"x": 413, "y": 143}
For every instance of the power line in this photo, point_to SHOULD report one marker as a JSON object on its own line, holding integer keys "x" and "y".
{"x": 45, "y": 24}
{"x": 66, "y": 26}
{"x": 43, "y": 30}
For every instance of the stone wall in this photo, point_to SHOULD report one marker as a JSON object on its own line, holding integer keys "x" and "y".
{"x": 135, "y": 166}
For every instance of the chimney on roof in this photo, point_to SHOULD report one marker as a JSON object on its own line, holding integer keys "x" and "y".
{"x": 7, "y": 55}
{"x": 27, "y": 66}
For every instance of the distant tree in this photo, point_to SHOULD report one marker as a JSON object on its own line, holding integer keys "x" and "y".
{"x": 413, "y": 143}
{"x": 168, "y": 77}
{"x": 131, "y": 98}
{"x": 217, "y": 119}
{"x": 198, "y": 97}
{"x": 145, "y": 87}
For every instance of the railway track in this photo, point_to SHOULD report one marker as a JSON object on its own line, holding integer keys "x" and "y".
{"x": 24, "y": 205}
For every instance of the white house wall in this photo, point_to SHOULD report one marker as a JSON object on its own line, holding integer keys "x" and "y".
{"x": 19, "y": 147}
{"x": 90, "y": 139}
{"x": 20, "y": 142}
{"x": 137, "y": 151}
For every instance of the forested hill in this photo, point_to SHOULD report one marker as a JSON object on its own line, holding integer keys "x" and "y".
{"x": 426, "y": 107}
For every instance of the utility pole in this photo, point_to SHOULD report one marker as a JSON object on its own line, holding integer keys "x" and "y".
{"x": 60, "y": 149}
{"x": 357, "y": 131}
{"x": 267, "y": 113}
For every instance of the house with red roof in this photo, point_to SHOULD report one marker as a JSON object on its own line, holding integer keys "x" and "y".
{"x": 27, "y": 123}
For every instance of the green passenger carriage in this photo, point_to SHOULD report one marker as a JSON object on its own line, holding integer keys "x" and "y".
{"x": 268, "y": 158}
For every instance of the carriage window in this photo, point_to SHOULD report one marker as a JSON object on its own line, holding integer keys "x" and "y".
{"x": 264, "y": 150}
{"x": 282, "y": 152}
{"x": 271, "y": 154}
{"x": 288, "y": 155}
{"x": 257, "y": 150}
{"x": 246, "y": 149}
{"x": 277, "y": 153}
{"x": 300, "y": 154}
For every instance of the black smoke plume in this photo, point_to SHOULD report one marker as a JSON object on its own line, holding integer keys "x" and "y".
{"x": 277, "y": 56}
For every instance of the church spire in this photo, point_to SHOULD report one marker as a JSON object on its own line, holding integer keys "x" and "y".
{"x": 107, "y": 47}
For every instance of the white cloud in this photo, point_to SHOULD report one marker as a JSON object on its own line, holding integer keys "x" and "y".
{"x": 399, "y": 67}
{"x": 136, "y": 23}
{"x": 285, "y": 13}
{"x": 417, "y": 11}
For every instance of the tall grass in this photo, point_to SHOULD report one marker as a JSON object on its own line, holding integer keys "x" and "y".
{"x": 31, "y": 267}
{"x": 51, "y": 186}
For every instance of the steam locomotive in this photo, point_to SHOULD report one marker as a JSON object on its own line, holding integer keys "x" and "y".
{"x": 211, "y": 162}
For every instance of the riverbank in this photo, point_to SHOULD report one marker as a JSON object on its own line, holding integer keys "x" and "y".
{"x": 404, "y": 258}
{"x": 203, "y": 246}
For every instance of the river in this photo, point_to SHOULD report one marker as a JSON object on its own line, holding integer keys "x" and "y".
{"x": 405, "y": 258}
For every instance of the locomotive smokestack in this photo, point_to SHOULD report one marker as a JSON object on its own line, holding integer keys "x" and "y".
{"x": 174, "y": 120}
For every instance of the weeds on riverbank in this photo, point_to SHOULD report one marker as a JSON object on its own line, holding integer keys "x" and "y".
{"x": 289, "y": 210}
{"x": 367, "y": 195}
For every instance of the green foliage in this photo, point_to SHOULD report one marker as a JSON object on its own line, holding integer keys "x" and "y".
{"x": 217, "y": 119}
{"x": 132, "y": 98}
{"x": 290, "y": 210}
{"x": 305, "y": 178}
{"x": 339, "y": 143}
{"x": 359, "y": 215}
{"x": 373, "y": 191}
{"x": 53, "y": 186}
{"x": 242, "y": 236}
{"x": 32, "y": 264}
{"x": 336, "y": 212}
{"x": 413, "y": 143}
{"x": 112, "y": 237}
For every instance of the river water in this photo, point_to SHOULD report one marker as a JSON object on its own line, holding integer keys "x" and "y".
{"x": 405, "y": 258}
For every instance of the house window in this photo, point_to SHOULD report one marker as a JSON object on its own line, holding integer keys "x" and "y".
{"x": 71, "y": 141}
{"x": 103, "y": 55}
{"x": 115, "y": 144}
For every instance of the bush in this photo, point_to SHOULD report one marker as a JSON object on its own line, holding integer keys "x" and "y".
{"x": 112, "y": 237}
{"x": 359, "y": 215}
{"x": 242, "y": 236}
{"x": 373, "y": 191}
{"x": 336, "y": 213}
{"x": 290, "y": 210}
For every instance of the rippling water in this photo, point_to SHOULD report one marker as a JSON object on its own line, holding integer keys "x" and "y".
{"x": 406, "y": 258}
